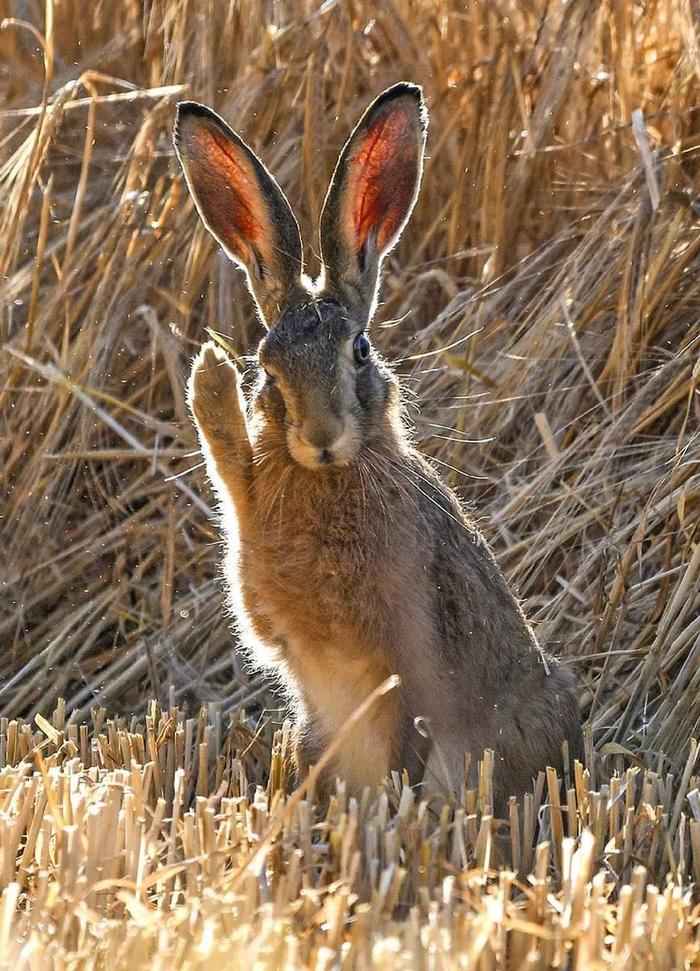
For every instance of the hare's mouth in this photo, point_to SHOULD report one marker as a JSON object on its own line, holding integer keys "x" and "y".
{"x": 324, "y": 455}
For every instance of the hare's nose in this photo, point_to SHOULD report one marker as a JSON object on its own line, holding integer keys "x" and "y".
{"x": 321, "y": 435}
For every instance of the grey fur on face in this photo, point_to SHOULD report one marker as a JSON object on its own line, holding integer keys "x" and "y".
{"x": 331, "y": 406}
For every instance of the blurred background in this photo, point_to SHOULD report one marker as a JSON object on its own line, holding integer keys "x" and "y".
{"x": 543, "y": 308}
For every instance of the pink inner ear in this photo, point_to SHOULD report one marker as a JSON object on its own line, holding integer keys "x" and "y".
{"x": 227, "y": 192}
{"x": 385, "y": 168}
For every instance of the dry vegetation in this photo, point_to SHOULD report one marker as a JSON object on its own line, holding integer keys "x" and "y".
{"x": 545, "y": 310}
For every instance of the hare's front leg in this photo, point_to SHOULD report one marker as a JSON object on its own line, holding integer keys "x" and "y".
{"x": 215, "y": 401}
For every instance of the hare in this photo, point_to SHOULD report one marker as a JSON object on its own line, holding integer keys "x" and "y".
{"x": 348, "y": 559}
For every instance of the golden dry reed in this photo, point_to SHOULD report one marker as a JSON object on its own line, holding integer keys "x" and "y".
{"x": 544, "y": 310}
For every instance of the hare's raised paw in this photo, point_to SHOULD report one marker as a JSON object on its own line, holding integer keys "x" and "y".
{"x": 212, "y": 393}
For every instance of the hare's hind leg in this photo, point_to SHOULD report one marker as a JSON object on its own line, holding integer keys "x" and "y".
{"x": 215, "y": 401}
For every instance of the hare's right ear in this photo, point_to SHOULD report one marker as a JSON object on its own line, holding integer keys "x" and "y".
{"x": 372, "y": 194}
{"x": 241, "y": 205}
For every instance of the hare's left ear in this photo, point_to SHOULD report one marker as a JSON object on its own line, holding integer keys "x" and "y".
{"x": 241, "y": 205}
{"x": 372, "y": 194}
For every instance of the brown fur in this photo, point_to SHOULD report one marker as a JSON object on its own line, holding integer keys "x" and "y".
{"x": 348, "y": 558}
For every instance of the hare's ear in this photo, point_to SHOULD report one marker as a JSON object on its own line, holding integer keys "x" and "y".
{"x": 372, "y": 193}
{"x": 241, "y": 205}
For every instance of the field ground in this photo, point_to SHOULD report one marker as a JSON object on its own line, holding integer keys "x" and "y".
{"x": 544, "y": 311}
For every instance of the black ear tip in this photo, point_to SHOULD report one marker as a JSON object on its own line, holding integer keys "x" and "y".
{"x": 414, "y": 91}
{"x": 184, "y": 112}
{"x": 186, "y": 109}
{"x": 403, "y": 90}
{"x": 192, "y": 111}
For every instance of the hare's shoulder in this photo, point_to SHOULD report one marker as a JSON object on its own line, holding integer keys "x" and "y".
{"x": 474, "y": 604}
{"x": 450, "y": 517}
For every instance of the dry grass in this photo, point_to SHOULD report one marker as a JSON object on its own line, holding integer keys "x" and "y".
{"x": 139, "y": 846}
{"x": 545, "y": 310}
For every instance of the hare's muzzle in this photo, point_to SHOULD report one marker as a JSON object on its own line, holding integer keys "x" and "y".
{"x": 319, "y": 445}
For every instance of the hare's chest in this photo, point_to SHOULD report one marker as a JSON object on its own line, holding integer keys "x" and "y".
{"x": 317, "y": 561}
{"x": 308, "y": 585}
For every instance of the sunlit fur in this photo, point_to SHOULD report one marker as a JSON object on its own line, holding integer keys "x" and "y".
{"x": 348, "y": 559}
{"x": 343, "y": 575}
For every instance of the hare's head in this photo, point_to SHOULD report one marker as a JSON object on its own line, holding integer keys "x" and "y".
{"x": 320, "y": 380}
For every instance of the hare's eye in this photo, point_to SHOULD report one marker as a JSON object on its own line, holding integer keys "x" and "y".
{"x": 360, "y": 349}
